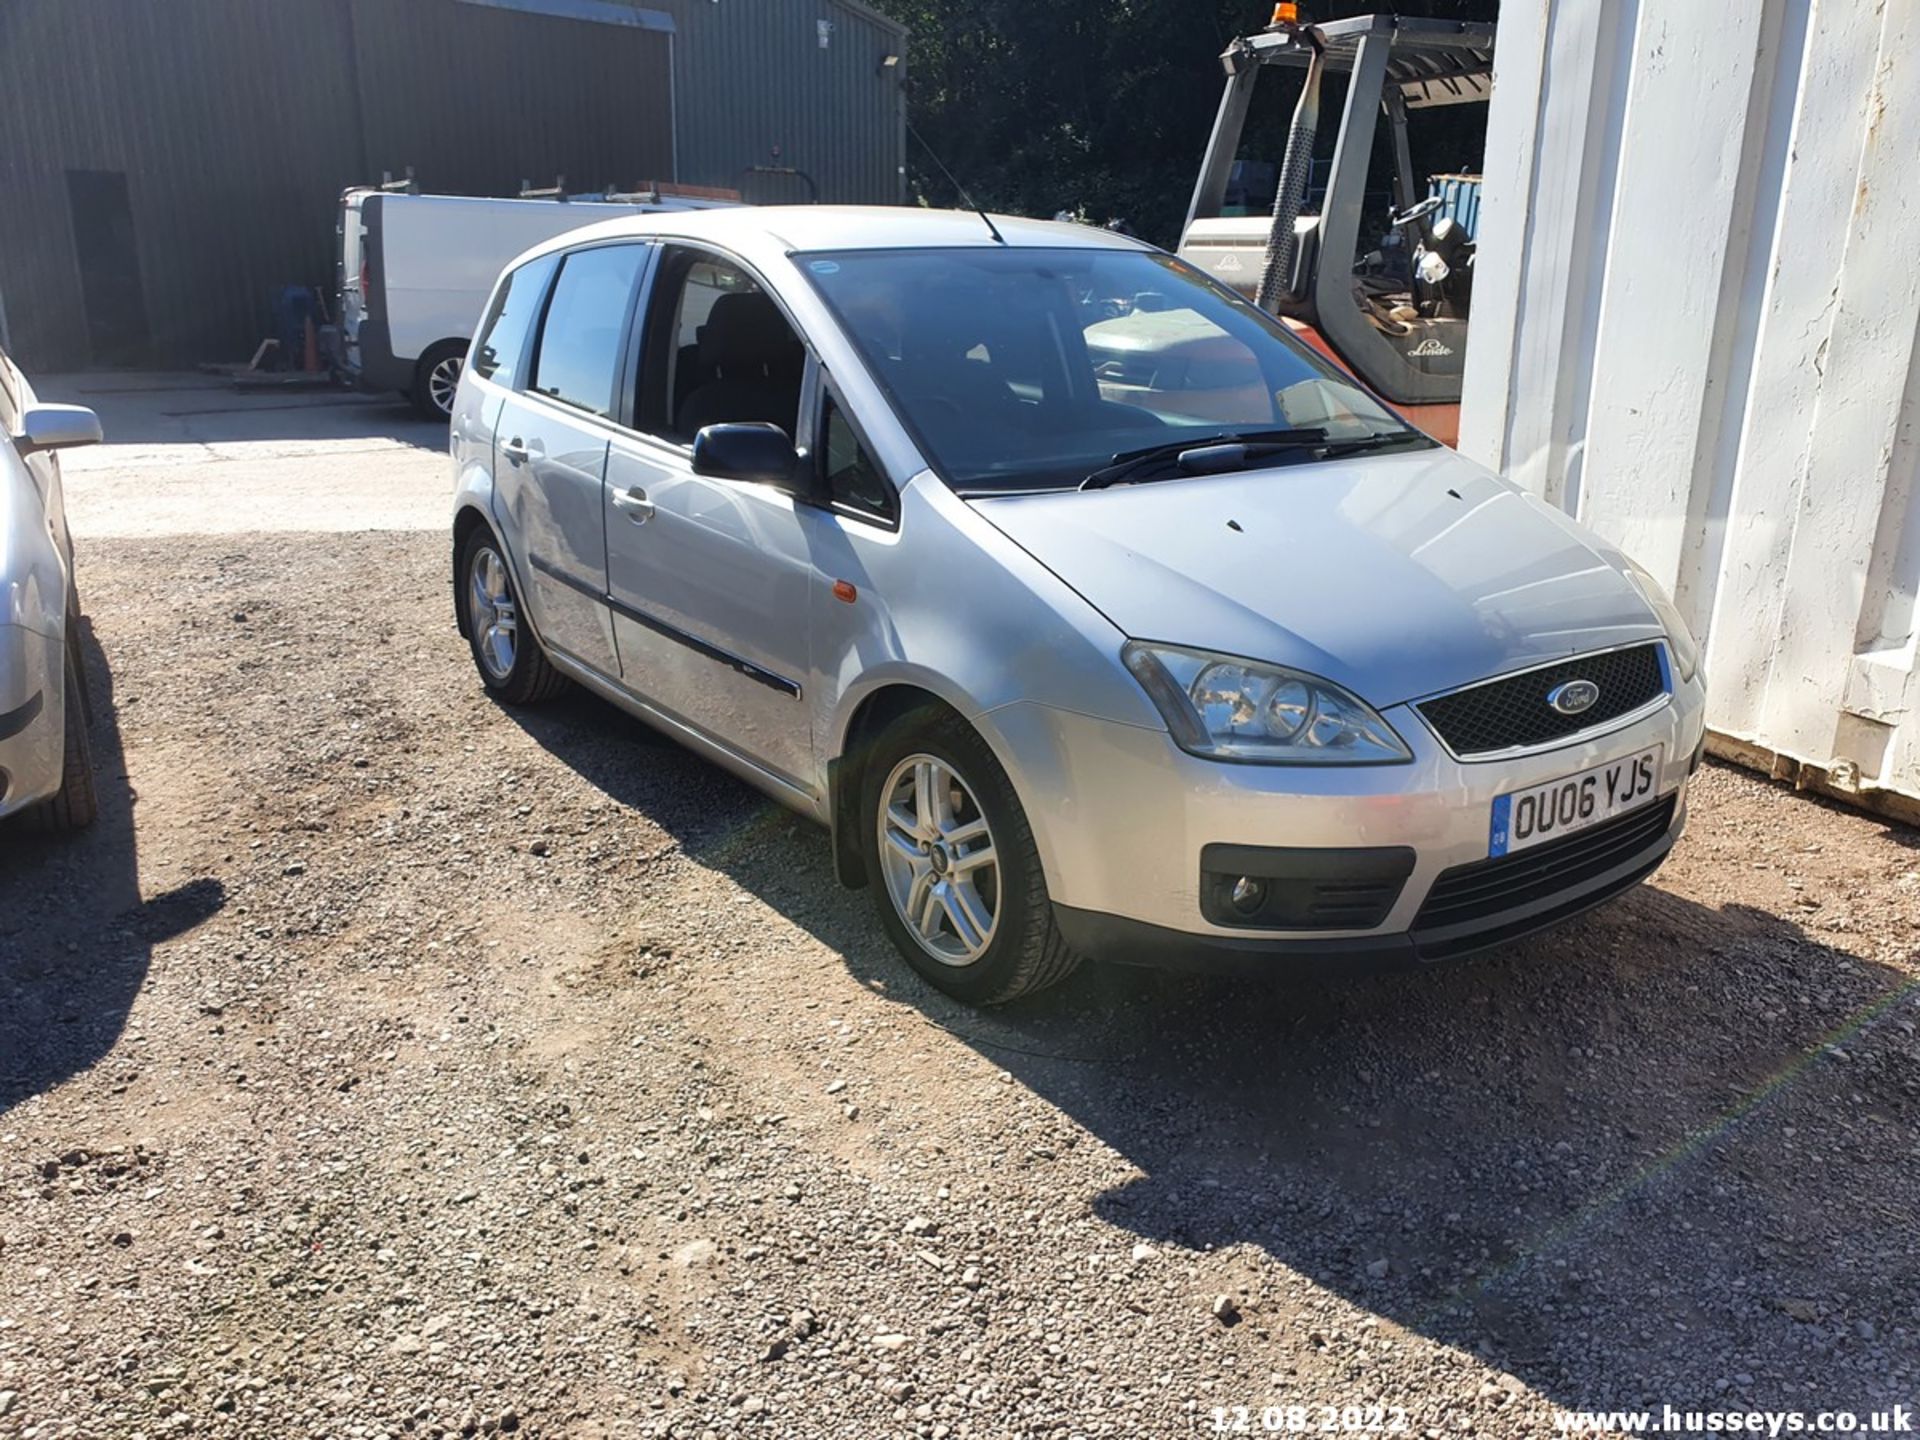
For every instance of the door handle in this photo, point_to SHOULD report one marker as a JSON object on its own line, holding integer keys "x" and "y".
{"x": 516, "y": 451}
{"x": 634, "y": 502}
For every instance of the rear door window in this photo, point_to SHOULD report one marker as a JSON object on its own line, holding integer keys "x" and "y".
{"x": 578, "y": 362}
{"x": 504, "y": 333}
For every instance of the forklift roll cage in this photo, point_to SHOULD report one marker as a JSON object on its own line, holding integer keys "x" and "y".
{"x": 1395, "y": 65}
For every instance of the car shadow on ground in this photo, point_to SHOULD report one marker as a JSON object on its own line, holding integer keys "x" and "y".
{"x": 76, "y": 937}
{"x": 1565, "y": 1157}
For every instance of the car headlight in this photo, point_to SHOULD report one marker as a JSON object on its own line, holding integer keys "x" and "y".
{"x": 1680, "y": 642}
{"x": 1222, "y": 707}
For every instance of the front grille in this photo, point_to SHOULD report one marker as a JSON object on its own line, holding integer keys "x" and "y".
{"x": 1306, "y": 904}
{"x": 1359, "y": 906}
{"x": 1489, "y": 888}
{"x": 1513, "y": 713}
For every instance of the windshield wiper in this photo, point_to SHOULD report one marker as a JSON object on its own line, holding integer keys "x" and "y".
{"x": 1222, "y": 454}
{"x": 1129, "y": 463}
{"x": 1381, "y": 441}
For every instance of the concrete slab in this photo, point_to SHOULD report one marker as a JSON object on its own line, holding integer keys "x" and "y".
{"x": 186, "y": 454}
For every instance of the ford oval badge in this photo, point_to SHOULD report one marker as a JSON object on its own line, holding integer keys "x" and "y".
{"x": 1574, "y": 697}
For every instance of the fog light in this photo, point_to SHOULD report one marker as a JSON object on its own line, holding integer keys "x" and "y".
{"x": 1248, "y": 894}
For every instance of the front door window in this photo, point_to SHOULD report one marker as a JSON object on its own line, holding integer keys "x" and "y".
{"x": 720, "y": 350}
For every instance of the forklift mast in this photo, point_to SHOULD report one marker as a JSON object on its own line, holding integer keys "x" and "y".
{"x": 1394, "y": 65}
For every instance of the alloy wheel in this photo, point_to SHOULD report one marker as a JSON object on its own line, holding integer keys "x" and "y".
{"x": 939, "y": 860}
{"x": 492, "y": 617}
{"x": 443, "y": 380}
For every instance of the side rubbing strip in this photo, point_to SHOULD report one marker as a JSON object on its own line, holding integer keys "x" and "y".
{"x": 560, "y": 577}
{"x": 672, "y": 632}
{"x": 712, "y": 652}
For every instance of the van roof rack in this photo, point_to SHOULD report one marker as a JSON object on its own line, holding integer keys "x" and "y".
{"x": 648, "y": 192}
{"x": 651, "y": 190}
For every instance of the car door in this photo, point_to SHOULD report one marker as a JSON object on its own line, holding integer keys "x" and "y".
{"x": 551, "y": 449}
{"x": 710, "y": 580}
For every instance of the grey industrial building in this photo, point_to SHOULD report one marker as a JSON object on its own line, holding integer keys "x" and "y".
{"x": 166, "y": 165}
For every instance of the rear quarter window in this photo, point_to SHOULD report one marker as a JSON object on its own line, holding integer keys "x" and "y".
{"x": 578, "y": 360}
{"x": 508, "y": 327}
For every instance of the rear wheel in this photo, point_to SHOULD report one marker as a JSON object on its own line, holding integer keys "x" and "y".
{"x": 436, "y": 379}
{"x": 511, "y": 663}
{"x": 952, "y": 864}
{"x": 74, "y": 805}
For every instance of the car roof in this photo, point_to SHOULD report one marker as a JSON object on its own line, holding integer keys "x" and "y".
{"x": 804, "y": 228}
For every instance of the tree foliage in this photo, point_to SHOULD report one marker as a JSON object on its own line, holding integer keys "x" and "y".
{"x": 1101, "y": 108}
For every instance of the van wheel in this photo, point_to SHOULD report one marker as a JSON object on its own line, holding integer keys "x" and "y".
{"x": 952, "y": 864}
{"x": 437, "y": 377}
{"x": 74, "y": 805}
{"x": 511, "y": 663}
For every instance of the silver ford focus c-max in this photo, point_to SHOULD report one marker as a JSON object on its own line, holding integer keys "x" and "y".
{"x": 1093, "y": 614}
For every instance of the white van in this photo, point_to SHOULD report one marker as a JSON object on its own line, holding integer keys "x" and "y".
{"x": 415, "y": 271}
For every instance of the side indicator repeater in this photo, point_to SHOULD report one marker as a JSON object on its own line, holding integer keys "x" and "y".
{"x": 845, "y": 590}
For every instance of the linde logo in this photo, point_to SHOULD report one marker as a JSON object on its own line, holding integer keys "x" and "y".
{"x": 1228, "y": 261}
{"x": 1429, "y": 347}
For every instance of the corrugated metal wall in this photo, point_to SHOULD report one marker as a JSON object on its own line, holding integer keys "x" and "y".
{"x": 1697, "y": 326}
{"x": 238, "y": 122}
{"x": 478, "y": 99}
{"x": 233, "y": 166}
{"x": 754, "y": 79}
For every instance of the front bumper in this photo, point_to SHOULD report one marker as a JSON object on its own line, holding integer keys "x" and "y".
{"x": 1122, "y": 817}
{"x": 32, "y": 717}
{"x": 1132, "y": 942}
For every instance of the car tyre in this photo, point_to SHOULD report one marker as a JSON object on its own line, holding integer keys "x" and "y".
{"x": 75, "y": 804}
{"x": 512, "y": 665}
{"x": 990, "y": 936}
{"x": 436, "y": 378}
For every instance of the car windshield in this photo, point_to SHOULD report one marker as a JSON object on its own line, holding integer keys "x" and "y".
{"x": 1024, "y": 368}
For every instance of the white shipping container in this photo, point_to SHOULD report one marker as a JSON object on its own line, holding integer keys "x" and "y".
{"x": 1695, "y": 313}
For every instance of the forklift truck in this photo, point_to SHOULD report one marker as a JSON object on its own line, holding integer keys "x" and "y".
{"x": 1401, "y": 328}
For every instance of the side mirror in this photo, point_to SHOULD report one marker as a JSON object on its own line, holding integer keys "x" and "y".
{"x": 753, "y": 451}
{"x": 57, "y": 427}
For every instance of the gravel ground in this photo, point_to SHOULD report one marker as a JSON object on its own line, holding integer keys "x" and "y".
{"x": 385, "y": 1063}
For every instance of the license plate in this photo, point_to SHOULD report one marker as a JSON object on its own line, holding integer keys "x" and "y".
{"x": 1572, "y": 803}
